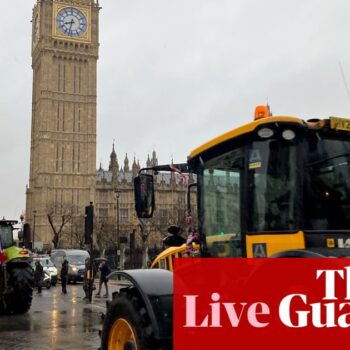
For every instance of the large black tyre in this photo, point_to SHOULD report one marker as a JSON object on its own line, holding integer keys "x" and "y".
{"x": 126, "y": 325}
{"x": 21, "y": 279}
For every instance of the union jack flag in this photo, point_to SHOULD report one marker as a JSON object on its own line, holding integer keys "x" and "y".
{"x": 181, "y": 176}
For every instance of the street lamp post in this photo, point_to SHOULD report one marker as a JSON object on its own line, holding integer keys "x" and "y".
{"x": 34, "y": 213}
{"x": 117, "y": 193}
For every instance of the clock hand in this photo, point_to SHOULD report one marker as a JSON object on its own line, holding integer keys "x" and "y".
{"x": 70, "y": 28}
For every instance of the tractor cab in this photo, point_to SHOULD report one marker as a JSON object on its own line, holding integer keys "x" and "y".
{"x": 276, "y": 184}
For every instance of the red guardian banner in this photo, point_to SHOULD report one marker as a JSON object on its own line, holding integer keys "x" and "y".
{"x": 270, "y": 304}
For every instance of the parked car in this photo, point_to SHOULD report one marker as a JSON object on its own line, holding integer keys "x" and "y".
{"x": 50, "y": 268}
{"x": 76, "y": 262}
{"x": 46, "y": 282}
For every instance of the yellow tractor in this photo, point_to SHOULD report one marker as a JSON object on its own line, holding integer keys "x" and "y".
{"x": 276, "y": 187}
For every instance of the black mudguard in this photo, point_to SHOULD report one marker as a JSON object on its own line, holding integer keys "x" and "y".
{"x": 297, "y": 253}
{"x": 3, "y": 280}
{"x": 152, "y": 284}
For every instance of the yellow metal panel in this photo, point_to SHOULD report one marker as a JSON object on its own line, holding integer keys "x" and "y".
{"x": 241, "y": 131}
{"x": 168, "y": 251}
{"x": 276, "y": 242}
{"x": 330, "y": 243}
{"x": 338, "y": 123}
{"x": 165, "y": 259}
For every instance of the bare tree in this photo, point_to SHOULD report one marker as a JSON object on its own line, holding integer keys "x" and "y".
{"x": 59, "y": 215}
{"x": 167, "y": 217}
{"x": 104, "y": 232}
{"x": 157, "y": 227}
{"x": 77, "y": 231}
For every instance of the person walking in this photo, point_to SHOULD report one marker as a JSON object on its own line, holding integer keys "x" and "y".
{"x": 104, "y": 272}
{"x": 64, "y": 276}
{"x": 38, "y": 275}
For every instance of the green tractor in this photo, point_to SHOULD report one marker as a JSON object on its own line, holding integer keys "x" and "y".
{"x": 16, "y": 274}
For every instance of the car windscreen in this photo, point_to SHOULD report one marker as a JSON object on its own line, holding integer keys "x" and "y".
{"x": 46, "y": 263}
{"x": 76, "y": 259}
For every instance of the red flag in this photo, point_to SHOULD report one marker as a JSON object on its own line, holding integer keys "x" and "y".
{"x": 3, "y": 256}
{"x": 181, "y": 176}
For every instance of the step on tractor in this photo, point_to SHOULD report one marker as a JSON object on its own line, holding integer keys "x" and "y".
{"x": 16, "y": 274}
{"x": 278, "y": 186}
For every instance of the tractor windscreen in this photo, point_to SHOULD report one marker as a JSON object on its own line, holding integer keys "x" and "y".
{"x": 6, "y": 235}
{"x": 327, "y": 183}
{"x": 273, "y": 191}
{"x": 295, "y": 180}
{"x": 255, "y": 187}
{"x": 220, "y": 204}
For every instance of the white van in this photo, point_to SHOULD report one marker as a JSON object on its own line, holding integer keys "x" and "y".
{"x": 76, "y": 262}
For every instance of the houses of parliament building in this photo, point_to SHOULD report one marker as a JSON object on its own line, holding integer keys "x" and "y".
{"x": 63, "y": 178}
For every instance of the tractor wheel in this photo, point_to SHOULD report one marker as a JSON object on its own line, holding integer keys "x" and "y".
{"x": 21, "y": 280}
{"x": 125, "y": 325}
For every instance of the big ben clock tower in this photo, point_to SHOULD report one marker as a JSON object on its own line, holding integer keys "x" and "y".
{"x": 63, "y": 135}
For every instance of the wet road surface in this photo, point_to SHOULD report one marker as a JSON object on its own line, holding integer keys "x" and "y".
{"x": 55, "y": 321}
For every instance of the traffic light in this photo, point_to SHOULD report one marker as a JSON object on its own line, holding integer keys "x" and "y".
{"x": 89, "y": 223}
{"x": 132, "y": 240}
{"x": 26, "y": 235}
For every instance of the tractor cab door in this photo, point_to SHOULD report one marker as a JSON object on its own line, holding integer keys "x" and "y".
{"x": 6, "y": 235}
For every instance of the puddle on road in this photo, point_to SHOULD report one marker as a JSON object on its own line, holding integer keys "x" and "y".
{"x": 89, "y": 321}
{"x": 55, "y": 322}
{"x": 69, "y": 329}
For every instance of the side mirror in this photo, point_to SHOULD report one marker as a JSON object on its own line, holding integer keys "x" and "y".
{"x": 144, "y": 196}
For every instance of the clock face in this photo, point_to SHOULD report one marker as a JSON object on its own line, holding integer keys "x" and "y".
{"x": 71, "y": 22}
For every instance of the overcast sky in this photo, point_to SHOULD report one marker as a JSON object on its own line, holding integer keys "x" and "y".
{"x": 174, "y": 74}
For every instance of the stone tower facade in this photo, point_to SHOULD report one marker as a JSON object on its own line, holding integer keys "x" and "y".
{"x": 65, "y": 47}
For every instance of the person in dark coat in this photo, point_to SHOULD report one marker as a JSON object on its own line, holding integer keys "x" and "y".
{"x": 174, "y": 239}
{"x": 64, "y": 276}
{"x": 104, "y": 272}
{"x": 38, "y": 275}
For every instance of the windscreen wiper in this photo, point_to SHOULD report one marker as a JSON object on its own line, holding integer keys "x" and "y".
{"x": 317, "y": 162}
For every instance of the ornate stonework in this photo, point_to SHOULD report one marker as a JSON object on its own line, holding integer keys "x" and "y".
{"x": 170, "y": 193}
